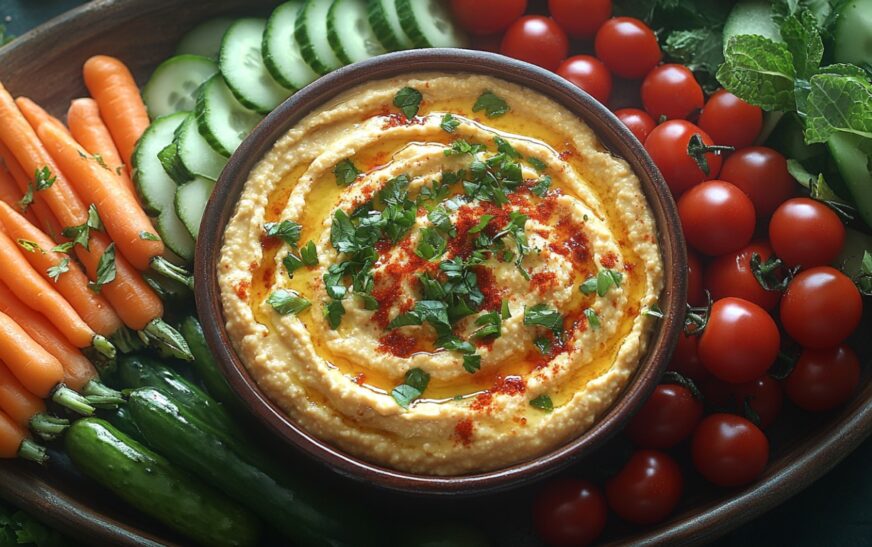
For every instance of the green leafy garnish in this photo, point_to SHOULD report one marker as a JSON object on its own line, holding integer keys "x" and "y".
{"x": 482, "y": 224}
{"x": 542, "y": 186}
{"x": 542, "y": 402}
{"x": 505, "y": 312}
{"x": 292, "y": 263}
{"x": 543, "y": 344}
{"x": 286, "y": 230}
{"x": 285, "y": 302}
{"x": 54, "y": 272}
{"x": 592, "y": 318}
{"x": 460, "y": 147}
{"x": 490, "y": 325}
{"x": 537, "y": 164}
{"x": 105, "y": 269}
{"x": 42, "y": 180}
{"x": 472, "y": 363}
{"x": 333, "y": 312}
{"x": 543, "y": 315}
{"x": 493, "y": 106}
{"x": 503, "y": 147}
{"x": 432, "y": 244}
{"x": 345, "y": 172}
{"x": 449, "y": 123}
{"x": 30, "y": 246}
{"x": 148, "y": 236}
{"x": 309, "y": 254}
{"x": 81, "y": 234}
{"x": 414, "y": 385}
{"x": 602, "y": 282}
{"x": 408, "y": 100}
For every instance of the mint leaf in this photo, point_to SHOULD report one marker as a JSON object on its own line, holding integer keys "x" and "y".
{"x": 408, "y": 100}
{"x": 700, "y": 49}
{"x": 759, "y": 71}
{"x": 838, "y": 103}
{"x": 799, "y": 31}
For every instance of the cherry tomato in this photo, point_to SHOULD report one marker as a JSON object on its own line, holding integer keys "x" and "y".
{"x": 729, "y": 450}
{"x": 536, "y": 39}
{"x": 569, "y": 512}
{"x": 806, "y": 232}
{"x": 762, "y": 174}
{"x": 823, "y": 378}
{"x": 487, "y": 16}
{"x": 671, "y": 91}
{"x": 491, "y": 42}
{"x": 685, "y": 359}
{"x": 740, "y": 341}
{"x": 717, "y": 218}
{"x": 695, "y": 289}
{"x": 588, "y": 73}
{"x": 764, "y": 396}
{"x": 718, "y": 394}
{"x": 821, "y": 307}
{"x": 647, "y": 489}
{"x": 731, "y": 275}
{"x": 639, "y": 122}
{"x": 667, "y": 146}
{"x": 731, "y": 121}
{"x": 627, "y": 46}
{"x": 668, "y": 417}
{"x": 580, "y": 18}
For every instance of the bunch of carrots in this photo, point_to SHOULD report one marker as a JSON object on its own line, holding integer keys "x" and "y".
{"x": 74, "y": 241}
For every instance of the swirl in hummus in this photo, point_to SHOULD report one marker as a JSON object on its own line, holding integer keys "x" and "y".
{"x": 441, "y": 273}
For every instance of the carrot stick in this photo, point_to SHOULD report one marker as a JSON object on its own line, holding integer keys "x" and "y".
{"x": 121, "y": 106}
{"x": 15, "y": 444}
{"x": 20, "y": 404}
{"x": 35, "y": 368}
{"x": 125, "y": 221}
{"x": 88, "y": 128}
{"x": 38, "y": 209}
{"x": 36, "y": 115}
{"x": 93, "y": 308}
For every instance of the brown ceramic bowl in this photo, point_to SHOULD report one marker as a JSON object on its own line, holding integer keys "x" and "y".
{"x": 611, "y": 133}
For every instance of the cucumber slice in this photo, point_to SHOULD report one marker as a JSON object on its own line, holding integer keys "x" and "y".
{"x": 428, "y": 23}
{"x": 222, "y": 120}
{"x": 194, "y": 152}
{"x": 174, "y": 83}
{"x": 385, "y": 23}
{"x": 311, "y": 34}
{"x": 190, "y": 202}
{"x": 751, "y": 17}
{"x": 241, "y": 64}
{"x": 281, "y": 53}
{"x": 172, "y": 164}
{"x": 156, "y": 188}
{"x": 205, "y": 38}
{"x": 349, "y": 32}
{"x": 852, "y": 37}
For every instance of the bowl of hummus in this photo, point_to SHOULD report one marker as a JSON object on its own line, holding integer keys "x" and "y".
{"x": 441, "y": 271}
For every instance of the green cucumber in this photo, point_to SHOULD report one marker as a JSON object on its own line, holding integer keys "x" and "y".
{"x": 751, "y": 17}
{"x": 122, "y": 420}
{"x": 428, "y": 23}
{"x": 173, "y": 84}
{"x": 306, "y": 515}
{"x": 385, "y": 22}
{"x": 151, "y": 484}
{"x": 196, "y": 156}
{"x": 172, "y": 164}
{"x": 281, "y": 52}
{"x": 349, "y": 32}
{"x": 241, "y": 64}
{"x": 205, "y": 38}
{"x": 310, "y": 32}
{"x": 204, "y": 362}
{"x": 852, "y": 35}
{"x": 853, "y": 157}
{"x": 191, "y": 199}
{"x": 222, "y": 119}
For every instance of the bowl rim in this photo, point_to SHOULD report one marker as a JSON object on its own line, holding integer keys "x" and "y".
{"x": 612, "y": 134}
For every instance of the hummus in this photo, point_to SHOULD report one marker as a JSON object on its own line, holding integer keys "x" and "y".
{"x": 441, "y": 273}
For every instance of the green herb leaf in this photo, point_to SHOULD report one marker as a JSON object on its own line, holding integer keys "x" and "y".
{"x": 505, "y": 312}
{"x": 537, "y": 164}
{"x": 431, "y": 245}
{"x": 408, "y": 100}
{"x": 369, "y": 302}
{"x": 472, "y": 363}
{"x": 43, "y": 179}
{"x": 504, "y": 147}
{"x": 838, "y": 103}
{"x": 592, "y": 318}
{"x": 493, "y": 106}
{"x": 460, "y": 147}
{"x": 482, "y": 224}
{"x": 285, "y": 302}
{"x": 449, "y": 123}
{"x": 589, "y": 285}
{"x": 699, "y": 49}
{"x": 442, "y": 220}
{"x": 292, "y": 263}
{"x": 542, "y": 186}
{"x": 94, "y": 221}
{"x": 63, "y": 266}
{"x": 653, "y": 311}
{"x": 542, "y": 402}
{"x": 105, "y": 269}
{"x": 760, "y": 71}
{"x": 453, "y": 343}
{"x": 65, "y": 247}
{"x": 345, "y": 172}
{"x": 286, "y": 230}
{"x": 414, "y": 385}
{"x": 543, "y": 344}
{"x": 800, "y": 32}
{"x": 148, "y": 236}
{"x": 543, "y": 315}
{"x": 333, "y": 312}
{"x": 30, "y": 246}
{"x": 309, "y": 254}
{"x": 491, "y": 325}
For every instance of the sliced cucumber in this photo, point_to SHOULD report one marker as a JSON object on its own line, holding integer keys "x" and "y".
{"x": 241, "y": 64}
{"x": 195, "y": 154}
{"x": 174, "y": 84}
{"x": 281, "y": 53}
{"x": 385, "y": 23}
{"x": 852, "y": 37}
{"x": 156, "y": 188}
{"x": 191, "y": 199}
{"x": 349, "y": 32}
{"x": 311, "y": 34}
{"x": 751, "y": 17}
{"x": 428, "y": 23}
{"x": 222, "y": 120}
{"x": 205, "y": 38}
{"x": 172, "y": 164}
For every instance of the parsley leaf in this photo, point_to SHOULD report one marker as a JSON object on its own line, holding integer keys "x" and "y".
{"x": 461, "y": 146}
{"x": 491, "y": 325}
{"x": 482, "y": 224}
{"x": 148, "y": 236}
{"x": 414, "y": 385}
{"x": 42, "y": 180}
{"x": 63, "y": 266}
{"x": 449, "y": 123}
{"x": 285, "y": 302}
{"x": 542, "y": 402}
{"x": 543, "y": 315}
{"x": 30, "y": 246}
{"x": 505, "y": 312}
{"x": 408, "y": 100}
{"x": 292, "y": 263}
{"x": 542, "y": 186}
{"x": 345, "y": 172}
{"x": 602, "y": 282}
{"x": 333, "y": 312}
{"x": 105, "y": 269}
{"x": 543, "y": 344}
{"x": 504, "y": 147}
{"x": 309, "y": 254}
{"x": 286, "y": 230}
{"x": 432, "y": 244}
{"x": 493, "y": 106}
{"x": 472, "y": 363}
{"x": 537, "y": 164}
{"x": 592, "y": 318}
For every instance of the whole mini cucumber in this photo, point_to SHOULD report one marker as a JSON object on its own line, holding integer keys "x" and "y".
{"x": 154, "y": 486}
{"x": 122, "y": 420}
{"x": 299, "y": 511}
{"x": 204, "y": 363}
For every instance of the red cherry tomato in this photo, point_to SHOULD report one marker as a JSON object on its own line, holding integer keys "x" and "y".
{"x": 762, "y": 174}
{"x": 823, "y": 378}
{"x": 536, "y": 39}
{"x": 570, "y": 513}
{"x": 668, "y": 417}
{"x": 671, "y": 91}
{"x": 764, "y": 396}
{"x": 821, "y": 307}
{"x": 806, "y": 232}
{"x": 718, "y": 394}
{"x": 639, "y": 122}
{"x": 695, "y": 288}
{"x": 627, "y": 46}
{"x": 730, "y": 121}
{"x": 740, "y": 341}
{"x": 588, "y": 73}
{"x": 647, "y": 489}
{"x": 580, "y": 18}
{"x": 728, "y": 450}
{"x": 717, "y": 218}
{"x": 487, "y": 16}
{"x": 667, "y": 145}
{"x": 731, "y": 275}
{"x": 685, "y": 359}
{"x": 491, "y": 42}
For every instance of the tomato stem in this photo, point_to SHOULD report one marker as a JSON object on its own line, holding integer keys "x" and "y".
{"x": 697, "y": 150}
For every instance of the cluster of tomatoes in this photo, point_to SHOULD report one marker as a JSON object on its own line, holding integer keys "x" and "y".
{"x": 739, "y": 212}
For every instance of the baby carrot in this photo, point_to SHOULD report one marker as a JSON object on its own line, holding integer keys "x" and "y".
{"x": 36, "y": 209}
{"x": 36, "y": 115}
{"x": 88, "y": 128}
{"x": 15, "y": 444}
{"x": 20, "y": 404}
{"x": 66, "y": 275}
{"x": 121, "y": 106}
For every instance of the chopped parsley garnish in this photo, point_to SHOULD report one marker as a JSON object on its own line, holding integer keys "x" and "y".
{"x": 414, "y": 385}
{"x": 472, "y": 363}
{"x": 542, "y": 186}
{"x": 309, "y": 254}
{"x": 292, "y": 263}
{"x": 432, "y": 244}
{"x": 543, "y": 315}
{"x": 30, "y": 246}
{"x": 493, "y": 106}
{"x": 441, "y": 219}
{"x": 345, "y": 172}
{"x": 62, "y": 267}
{"x": 460, "y": 147}
{"x": 333, "y": 312}
{"x": 285, "y": 302}
{"x": 542, "y": 402}
{"x": 537, "y": 164}
{"x": 408, "y": 100}
{"x": 148, "y": 236}
{"x": 449, "y": 123}
{"x": 286, "y": 230}
{"x": 503, "y": 147}
{"x": 602, "y": 282}
{"x": 482, "y": 224}
{"x": 105, "y": 269}
{"x": 505, "y": 313}
{"x": 543, "y": 344}
{"x": 42, "y": 180}
{"x": 81, "y": 234}
{"x": 490, "y": 325}
{"x": 592, "y": 318}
